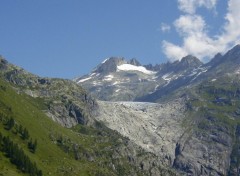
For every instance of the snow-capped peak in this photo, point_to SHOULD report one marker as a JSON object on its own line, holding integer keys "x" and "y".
{"x": 129, "y": 67}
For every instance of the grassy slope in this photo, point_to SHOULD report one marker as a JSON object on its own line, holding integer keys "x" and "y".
{"x": 49, "y": 157}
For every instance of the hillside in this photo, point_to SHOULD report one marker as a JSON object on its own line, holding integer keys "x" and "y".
{"x": 197, "y": 133}
{"x": 194, "y": 126}
{"x": 66, "y": 102}
{"x": 80, "y": 150}
{"x": 117, "y": 79}
{"x": 192, "y": 130}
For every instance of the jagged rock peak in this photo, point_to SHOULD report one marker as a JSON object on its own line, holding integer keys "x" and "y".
{"x": 191, "y": 61}
{"x": 215, "y": 60}
{"x": 110, "y": 65}
{"x": 236, "y": 48}
{"x": 134, "y": 62}
{"x": 186, "y": 63}
{"x": 234, "y": 51}
{"x": 218, "y": 55}
{"x": 114, "y": 60}
{"x": 156, "y": 67}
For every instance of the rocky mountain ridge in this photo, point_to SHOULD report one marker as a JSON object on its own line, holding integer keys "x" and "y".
{"x": 198, "y": 133}
{"x": 193, "y": 129}
{"x": 85, "y": 147}
{"x": 64, "y": 101}
{"x": 195, "y": 126}
{"x": 118, "y": 80}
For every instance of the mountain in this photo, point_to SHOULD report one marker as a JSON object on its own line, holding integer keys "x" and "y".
{"x": 67, "y": 102}
{"x": 196, "y": 132}
{"x": 48, "y": 127}
{"x": 194, "y": 126}
{"x": 228, "y": 63}
{"x": 220, "y": 65}
{"x": 119, "y": 80}
{"x": 116, "y": 79}
{"x": 190, "y": 126}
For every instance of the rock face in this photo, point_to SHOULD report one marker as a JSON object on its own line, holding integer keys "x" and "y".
{"x": 69, "y": 104}
{"x": 179, "y": 132}
{"x": 110, "y": 82}
{"x": 195, "y": 126}
{"x": 155, "y": 127}
{"x": 64, "y": 101}
{"x": 109, "y": 65}
{"x": 116, "y": 79}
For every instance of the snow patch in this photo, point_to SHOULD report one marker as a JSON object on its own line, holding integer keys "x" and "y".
{"x": 116, "y": 82}
{"x": 214, "y": 80}
{"x": 105, "y": 60}
{"x": 166, "y": 77}
{"x": 156, "y": 87}
{"x": 129, "y": 67}
{"x": 108, "y": 78}
{"x": 95, "y": 83}
{"x": 199, "y": 70}
{"x": 93, "y": 74}
{"x": 117, "y": 90}
{"x": 202, "y": 70}
{"x": 85, "y": 79}
{"x": 194, "y": 72}
{"x": 196, "y": 76}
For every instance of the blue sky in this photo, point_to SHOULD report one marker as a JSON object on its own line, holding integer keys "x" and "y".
{"x": 67, "y": 38}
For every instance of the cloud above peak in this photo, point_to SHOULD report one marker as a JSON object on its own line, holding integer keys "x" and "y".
{"x": 190, "y": 25}
{"x": 193, "y": 30}
{"x": 190, "y": 6}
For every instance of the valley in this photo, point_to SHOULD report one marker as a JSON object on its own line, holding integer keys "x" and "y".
{"x": 124, "y": 118}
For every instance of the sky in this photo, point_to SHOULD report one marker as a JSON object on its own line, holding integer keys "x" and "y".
{"x": 68, "y": 38}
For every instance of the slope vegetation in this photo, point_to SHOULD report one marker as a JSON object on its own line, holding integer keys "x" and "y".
{"x": 50, "y": 149}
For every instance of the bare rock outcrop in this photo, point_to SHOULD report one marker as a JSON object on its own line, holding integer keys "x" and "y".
{"x": 155, "y": 127}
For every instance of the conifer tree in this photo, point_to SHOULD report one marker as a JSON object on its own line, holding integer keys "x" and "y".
{"x": 20, "y": 129}
{"x": 10, "y": 124}
{"x": 0, "y": 138}
{"x": 25, "y": 134}
{"x": 18, "y": 157}
{"x": 32, "y": 145}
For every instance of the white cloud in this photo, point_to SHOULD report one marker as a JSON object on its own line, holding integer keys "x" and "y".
{"x": 189, "y": 25}
{"x": 190, "y": 6}
{"x": 232, "y": 25}
{"x": 193, "y": 30}
{"x": 165, "y": 27}
{"x": 173, "y": 51}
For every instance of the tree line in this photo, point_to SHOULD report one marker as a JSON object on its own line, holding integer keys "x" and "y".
{"x": 23, "y": 133}
{"x": 18, "y": 157}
